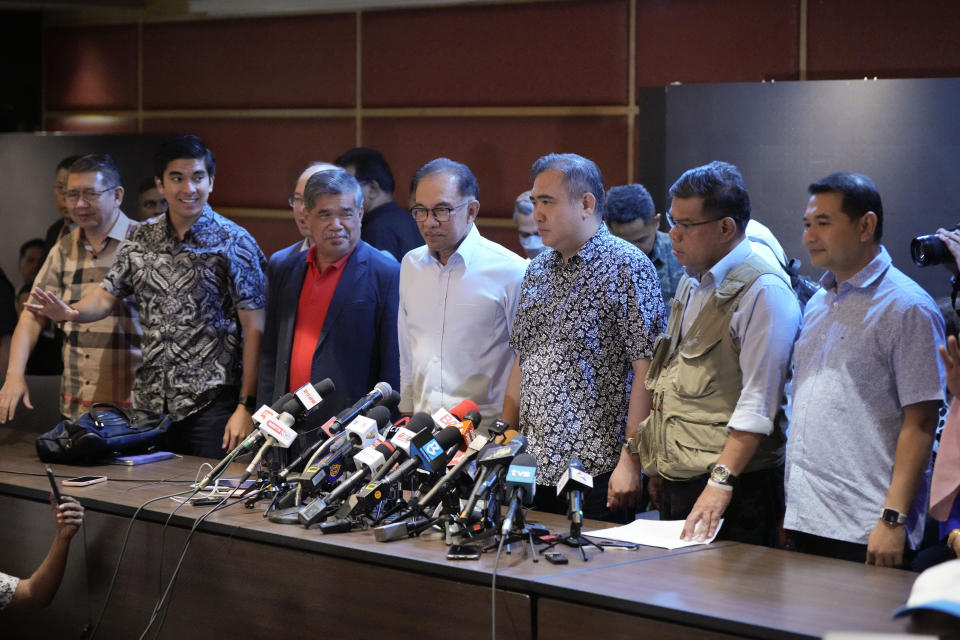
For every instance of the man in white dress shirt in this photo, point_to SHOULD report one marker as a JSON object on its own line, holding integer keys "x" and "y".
{"x": 458, "y": 294}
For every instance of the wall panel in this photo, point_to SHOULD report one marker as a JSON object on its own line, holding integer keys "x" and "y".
{"x": 291, "y": 62}
{"x": 707, "y": 41}
{"x": 532, "y": 54}
{"x": 91, "y": 68}
{"x": 885, "y": 38}
{"x": 500, "y": 151}
{"x": 258, "y": 160}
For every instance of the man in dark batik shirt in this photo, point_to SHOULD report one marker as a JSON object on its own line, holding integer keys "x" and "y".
{"x": 198, "y": 282}
{"x": 590, "y": 308}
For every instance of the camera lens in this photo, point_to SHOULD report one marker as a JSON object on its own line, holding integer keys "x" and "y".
{"x": 928, "y": 250}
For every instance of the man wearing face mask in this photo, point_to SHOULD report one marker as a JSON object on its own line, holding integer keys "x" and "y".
{"x": 527, "y": 231}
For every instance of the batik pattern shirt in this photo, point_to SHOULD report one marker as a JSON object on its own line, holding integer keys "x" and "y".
{"x": 188, "y": 293}
{"x": 578, "y": 329}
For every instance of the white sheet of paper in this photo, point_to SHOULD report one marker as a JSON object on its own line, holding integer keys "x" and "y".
{"x": 664, "y": 534}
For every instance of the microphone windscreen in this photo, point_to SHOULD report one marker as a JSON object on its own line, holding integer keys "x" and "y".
{"x": 460, "y": 411}
{"x": 420, "y": 421}
{"x": 448, "y": 437}
{"x": 325, "y": 387}
{"x": 381, "y": 415}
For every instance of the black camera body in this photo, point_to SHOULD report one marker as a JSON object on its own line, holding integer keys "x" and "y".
{"x": 929, "y": 250}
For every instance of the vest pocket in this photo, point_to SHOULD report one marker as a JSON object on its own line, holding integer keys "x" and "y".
{"x": 692, "y": 447}
{"x": 696, "y": 375}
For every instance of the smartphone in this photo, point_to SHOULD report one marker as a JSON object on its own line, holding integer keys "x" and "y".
{"x": 84, "y": 481}
{"x": 53, "y": 485}
{"x": 463, "y": 552}
{"x": 555, "y": 558}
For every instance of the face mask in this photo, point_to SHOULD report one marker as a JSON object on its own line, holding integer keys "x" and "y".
{"x": 532, "y": 243}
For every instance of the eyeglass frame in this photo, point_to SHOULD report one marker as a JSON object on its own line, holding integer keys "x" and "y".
{"x": 88, "y": 195}
{"x": 293, "y": 200}
{"x": 435, "y": 212}
{"x": 686, "y": 226}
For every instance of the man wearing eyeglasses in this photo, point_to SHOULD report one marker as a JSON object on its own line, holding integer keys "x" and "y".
{"x": 197, "y": 279}
{"x": 299, "y": 218}
{"x": 457, "y": 299}
{"x": 331, "y": 311}
{"x": 99, "y": 358}
{"x": 713, "y": 444}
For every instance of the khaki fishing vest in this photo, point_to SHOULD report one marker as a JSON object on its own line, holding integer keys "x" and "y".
{"x": 696, "y": 382}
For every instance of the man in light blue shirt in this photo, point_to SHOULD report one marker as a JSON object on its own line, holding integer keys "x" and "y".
{"x": 867, "y": 387}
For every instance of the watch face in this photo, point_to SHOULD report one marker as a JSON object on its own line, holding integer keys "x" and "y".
{"x": 720, "y": 474}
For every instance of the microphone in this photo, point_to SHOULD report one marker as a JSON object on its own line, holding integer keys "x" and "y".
{"x": 473, "y": 449}
{"x": 362, "y": 432}
{"x": 367, "y": 461}
{"x": 380, "y": 391}
{"x": 290, "y": 403}
{"x": 574, "y": 482}
{"x": 491, "y": 462}
{"x": 521, "y": 483}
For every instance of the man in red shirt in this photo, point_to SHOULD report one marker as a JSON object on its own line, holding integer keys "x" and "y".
{"x": 332, "y": 310}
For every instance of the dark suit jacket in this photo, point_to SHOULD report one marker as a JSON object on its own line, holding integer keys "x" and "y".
{"x": 358, "y": 343}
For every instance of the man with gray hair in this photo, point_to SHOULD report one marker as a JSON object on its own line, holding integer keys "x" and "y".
{"x": 457, "y": 298}
{"x": 527, "y": 231}
{"x": 331, "y": 311}
{"x": 590, "y": 309}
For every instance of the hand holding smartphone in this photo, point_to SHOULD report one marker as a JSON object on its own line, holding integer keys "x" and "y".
{"x": 53, "y": 485}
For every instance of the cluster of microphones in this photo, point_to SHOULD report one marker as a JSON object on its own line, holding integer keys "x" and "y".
{"x": 399, "y": 478}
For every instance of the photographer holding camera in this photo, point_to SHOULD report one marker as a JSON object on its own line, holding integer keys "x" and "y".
{"x": 945, "y": 488}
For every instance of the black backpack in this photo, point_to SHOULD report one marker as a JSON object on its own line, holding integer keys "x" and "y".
{"x": 105, "y": 432}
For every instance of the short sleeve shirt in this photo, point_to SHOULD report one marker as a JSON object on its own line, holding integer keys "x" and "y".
{"x": 188, "y": 293}
{"x": 579, "y": 327}
{"x": 8, "y": 586}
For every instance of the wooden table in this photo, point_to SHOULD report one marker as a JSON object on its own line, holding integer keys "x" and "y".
{"x": 247, "y": 576}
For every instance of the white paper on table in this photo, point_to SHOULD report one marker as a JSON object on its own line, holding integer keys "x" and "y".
{"x": 651, "y": 533}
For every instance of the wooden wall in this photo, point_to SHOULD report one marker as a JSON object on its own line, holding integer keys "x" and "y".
{"x": 493, "y": 85}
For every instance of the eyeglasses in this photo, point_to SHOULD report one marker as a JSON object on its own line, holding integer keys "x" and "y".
{"x": 684, "y": 226}
{"x": 441, "y": 214}
{"x": 295, "y": 200}
{"x": 88, "y": 195}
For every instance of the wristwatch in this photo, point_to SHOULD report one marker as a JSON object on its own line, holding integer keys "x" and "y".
{"x": 722, "y": 475}
{"x": 250, "y": 402}
{"x": 632, "y": 445}
{"x": 892, "y": 517}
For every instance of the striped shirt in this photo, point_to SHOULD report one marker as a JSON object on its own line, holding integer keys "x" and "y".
{"x": 99, "y": 358}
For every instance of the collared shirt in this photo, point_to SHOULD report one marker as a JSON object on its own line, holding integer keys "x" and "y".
{"x": 868, "y": 348}
{"x": 8, "y": 586}
{"x": 454, "y": 326}
{"x": 99, "y": 358}
{"x": 765, "y": 324}
{"x": 668, "y": 269}
{"x": 315, "y": 296}
{"x": 579, "y": 328}
{"x": 188, "y": 293}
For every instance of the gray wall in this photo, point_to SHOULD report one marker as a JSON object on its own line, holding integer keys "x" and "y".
{"x": 905, "y": 134}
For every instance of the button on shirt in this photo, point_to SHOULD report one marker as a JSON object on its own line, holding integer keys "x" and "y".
{"x": 867, "y": 349}
{"x": 454, "y": 326}
{"x": 188, "y": 293}
{"x": 765, "y": 324}
{"x": 99, "y": 358}
{"x": 578, "y": 329}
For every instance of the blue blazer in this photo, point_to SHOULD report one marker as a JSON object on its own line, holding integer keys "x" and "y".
{"x": 357, "y": 346}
